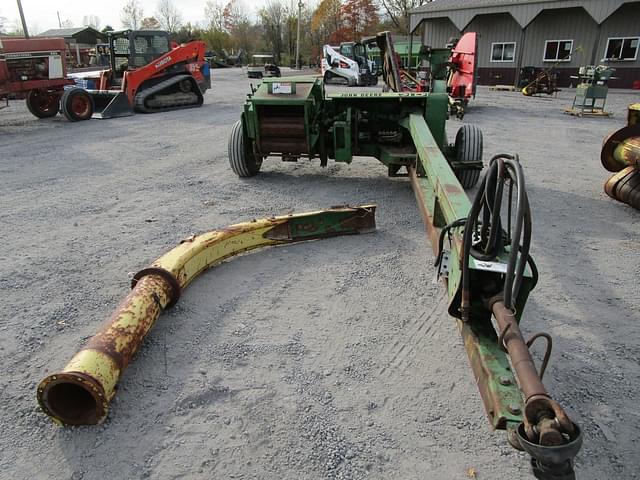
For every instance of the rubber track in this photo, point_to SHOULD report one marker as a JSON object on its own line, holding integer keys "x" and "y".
{"x": 142, "y": 96}
{"x": 238, "y": 158}
{"x": 471, "y": 151}
{"x": 342, "y": 79}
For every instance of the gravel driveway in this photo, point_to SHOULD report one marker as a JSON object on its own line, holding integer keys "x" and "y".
{"x": 332, "y": 359}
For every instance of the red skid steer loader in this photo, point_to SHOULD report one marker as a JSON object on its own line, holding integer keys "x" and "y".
{"x": 145, "y": 75}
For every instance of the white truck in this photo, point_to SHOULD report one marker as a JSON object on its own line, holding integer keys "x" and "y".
{"x": 349, "y": 64}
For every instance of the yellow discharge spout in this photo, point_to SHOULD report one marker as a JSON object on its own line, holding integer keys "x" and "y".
{"x": 80, "y": 394}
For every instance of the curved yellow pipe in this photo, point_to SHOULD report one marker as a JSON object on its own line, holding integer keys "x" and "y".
{"x": 80, "y": 394}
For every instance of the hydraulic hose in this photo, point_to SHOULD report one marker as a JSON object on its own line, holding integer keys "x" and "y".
{"x": 484, "y": 239}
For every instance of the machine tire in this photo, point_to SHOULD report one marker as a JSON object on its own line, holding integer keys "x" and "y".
{"x": 77, "y": 104}
{"x": 468, "y": 149}
{"x": 374, "y": 80}
{"x": 243, "y": 163}
{"x": 43, "y": 104}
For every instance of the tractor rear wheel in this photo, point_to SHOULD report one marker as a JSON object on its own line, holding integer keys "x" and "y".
{"x": 243, "y": 162}
{"x": 42, "y": 104}
{"x": 77, "y": 104}
{"x": 468, "y": 150}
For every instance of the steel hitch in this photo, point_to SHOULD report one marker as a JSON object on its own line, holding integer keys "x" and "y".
{"x": 546, "y": 432}
{"x": 552, "y": 462}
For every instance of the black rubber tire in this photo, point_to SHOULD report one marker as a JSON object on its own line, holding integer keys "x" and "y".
{"x": 468, "y": 149}
{"x": 38, "y": 108}
{"x": 67, "y": 104}
{"x": 374, "y": 80}
{"x": 243, "y": 163}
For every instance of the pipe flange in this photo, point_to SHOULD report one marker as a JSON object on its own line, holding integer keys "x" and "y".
{"x": 172, "y": 281}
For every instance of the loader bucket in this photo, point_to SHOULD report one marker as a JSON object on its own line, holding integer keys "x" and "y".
{"x": 110, "y": 104}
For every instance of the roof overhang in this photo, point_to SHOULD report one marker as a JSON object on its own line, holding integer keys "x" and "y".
{"x": 523, "y": 12}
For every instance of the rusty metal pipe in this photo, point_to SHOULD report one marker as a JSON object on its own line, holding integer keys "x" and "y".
{"x": 80, "y": 394}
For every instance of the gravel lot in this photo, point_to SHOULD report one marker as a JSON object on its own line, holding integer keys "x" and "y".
{"x": 332, "y": 359}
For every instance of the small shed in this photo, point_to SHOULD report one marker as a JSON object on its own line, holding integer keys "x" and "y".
{"x": 80, "y": 41}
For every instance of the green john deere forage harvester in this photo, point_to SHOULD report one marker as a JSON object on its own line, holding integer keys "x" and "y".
{"x": 297, "y": 118}
{"x": 481, "y": 248}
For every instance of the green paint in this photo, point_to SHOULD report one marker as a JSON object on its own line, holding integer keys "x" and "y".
{"x": 401, "y": 129}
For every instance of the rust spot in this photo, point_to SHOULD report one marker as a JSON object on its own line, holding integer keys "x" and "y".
{"x": 451, "y": 188}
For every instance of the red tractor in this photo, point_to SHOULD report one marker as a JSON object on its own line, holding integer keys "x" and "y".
{"x": 34, "y": 68}
{"x": 145, "y": 75}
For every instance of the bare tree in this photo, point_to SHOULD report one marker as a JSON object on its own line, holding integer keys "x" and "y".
{"x": 168, "y": 16}
{"x": 234, "y": 14}
{"x": 214, "y": 13}
{"x": 398, "y": 11}
{"x": 131, "y": 15}
{"x": 272, "y": 17}
{"x": 3, "y": 23}
{"x": 91, "y": 21}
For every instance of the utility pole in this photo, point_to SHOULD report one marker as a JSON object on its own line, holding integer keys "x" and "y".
{"x": 59, "y": 22}
{"x": 24, "y": 22}
{"x": 298, "y": 36}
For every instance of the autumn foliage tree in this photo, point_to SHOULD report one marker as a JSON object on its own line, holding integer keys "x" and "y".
{"x": 360, "y": 18}
{"x": 327, "y": 24}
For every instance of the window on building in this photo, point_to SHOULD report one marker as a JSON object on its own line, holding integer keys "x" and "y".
{"x": 558, "y": 50}
{"x": 503, "y": 52}
{"x": 624, "y": 48}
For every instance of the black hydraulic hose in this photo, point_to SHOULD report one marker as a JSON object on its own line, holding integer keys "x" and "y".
{"x": 467, "y": 239}
{"x": 491, "y": 229}
{"x": 515, "y": 170}
{"x": 446, "y": 229}
{"x": 488, "y": 204}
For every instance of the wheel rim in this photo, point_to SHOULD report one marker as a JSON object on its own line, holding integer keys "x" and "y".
{"x": 80, "y": 105}
{"x": 45, "y": 103}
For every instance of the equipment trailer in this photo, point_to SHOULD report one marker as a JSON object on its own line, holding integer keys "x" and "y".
{"x": 482, "y": 252}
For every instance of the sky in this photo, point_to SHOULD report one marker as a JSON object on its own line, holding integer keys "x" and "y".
{"x": 41, "y": 14}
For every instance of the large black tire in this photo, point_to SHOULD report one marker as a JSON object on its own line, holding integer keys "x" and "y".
{"x": 468, "y": 150}
{"x": 43, "y": 104}
{"x": 242, "y": 161}
{"x": 77, "y": 104}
